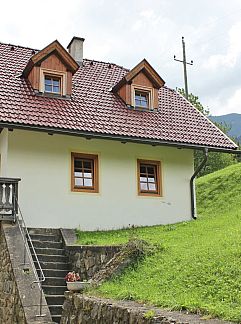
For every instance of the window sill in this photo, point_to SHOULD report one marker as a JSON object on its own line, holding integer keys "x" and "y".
{"x": 52, "y": 95}
{"x": 147, "y": 194}
{"x": 85, "y": 190}
{"x": 151, "y": 110}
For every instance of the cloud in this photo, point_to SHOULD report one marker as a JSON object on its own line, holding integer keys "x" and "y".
{"x": 222, "y": 106}
{"x": 232, "y": 55}
{"x": 124, "y": 32}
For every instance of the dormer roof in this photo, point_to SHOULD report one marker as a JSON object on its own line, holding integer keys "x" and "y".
{"x": 145, "y": 67}
{"x": 53, "y": 48}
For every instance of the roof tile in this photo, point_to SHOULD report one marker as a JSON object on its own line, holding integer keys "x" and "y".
{"x": 94, "y": 108}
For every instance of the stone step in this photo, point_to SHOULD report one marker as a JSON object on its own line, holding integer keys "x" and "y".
{"x": 48, "y": 231}
{"x": 56, "y": 318}
{"x": 54, "y": 265}
{"x": 54, "y": 281}
{"x": 56, "y": 309}
{"x": 45, "y": 237}
{"x": 52, "y": 258}
{"x": 47, "y": 244}
{"x": 54, "y": 290}
{"x": 55, "y": 299}
{"x": 55, "y": 273}
{"x": 48, "y": 251}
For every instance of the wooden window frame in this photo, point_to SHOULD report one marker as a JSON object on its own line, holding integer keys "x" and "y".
{"x": 95, "y": 187}
{"x": 144, "y": 90}
{"x": 53, "y": 74}
{"x": 158, "y": 192}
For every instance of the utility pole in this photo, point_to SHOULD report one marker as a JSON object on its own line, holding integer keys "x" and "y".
{"x": 184, "y": 61}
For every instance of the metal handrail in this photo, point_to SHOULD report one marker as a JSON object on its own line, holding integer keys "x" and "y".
{"x": 26, "y": 238}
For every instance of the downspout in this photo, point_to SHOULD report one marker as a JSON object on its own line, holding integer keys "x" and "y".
{"x": 199, "y": 168}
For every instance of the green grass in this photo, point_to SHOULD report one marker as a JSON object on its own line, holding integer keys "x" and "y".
{"x": 199, "y": 267}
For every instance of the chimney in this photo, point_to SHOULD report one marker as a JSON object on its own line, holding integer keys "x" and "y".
{"x": 75, "y": 48}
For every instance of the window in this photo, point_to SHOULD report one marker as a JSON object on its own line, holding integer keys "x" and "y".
{"x": 142, "y": 99}
{"x": 84, "y": 172}
{"x": 52, "y": 84}
{"x": 149, "y": 178}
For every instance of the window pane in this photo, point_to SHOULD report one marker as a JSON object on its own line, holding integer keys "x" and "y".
{"x": 143, "y": 104}
{"x": 88, "y": 182}
{"x": 143, "y": 186}
{"x": 78, "y": 164}
{"x": 56, "y": 89}
{"x": 88, "y": 175}
{"x": 152, "y": 186}
{"x": 48, "y": 88}
{"x": 137, "y": 102}
{"x": 143, "y": 179}
{"x": 87, "y": 164}
{"x": 48, "y": 82}
{"x": 151, "y": 179}
{"x": 78, "y": 174}
{"x": 150, "y": 170}
{"x": 56, "y": 83}
{"x": 78, "y": 182}
{"x": 142, "y": 169}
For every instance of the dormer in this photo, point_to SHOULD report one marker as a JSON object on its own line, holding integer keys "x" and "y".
{"x": 50, "y": 71}
{"x": 139, "y": 87}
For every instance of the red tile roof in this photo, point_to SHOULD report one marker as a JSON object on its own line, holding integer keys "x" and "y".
{"x": 94, "y": 109}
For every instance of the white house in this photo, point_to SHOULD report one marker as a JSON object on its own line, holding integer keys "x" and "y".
{"x": 97, "y": 146}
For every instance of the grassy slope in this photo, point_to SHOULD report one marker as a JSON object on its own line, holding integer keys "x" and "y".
{"x": 199, "y": 268}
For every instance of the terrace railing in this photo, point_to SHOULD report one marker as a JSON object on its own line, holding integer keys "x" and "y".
{"x": 10, "y": 211}
{"x": 8, "y": 198}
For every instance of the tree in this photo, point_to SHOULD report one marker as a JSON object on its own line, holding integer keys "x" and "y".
{"x": 216, "y": 160}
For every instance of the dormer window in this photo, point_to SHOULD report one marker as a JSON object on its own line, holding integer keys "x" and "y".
{"x": 50, "y": 71}
{"x": 139, "y": 87}
{"x": 142, "y": 99}
{"x": 52, "y": 84}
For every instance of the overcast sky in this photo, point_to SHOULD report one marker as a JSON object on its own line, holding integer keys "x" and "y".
{"x": 126, "y": 31}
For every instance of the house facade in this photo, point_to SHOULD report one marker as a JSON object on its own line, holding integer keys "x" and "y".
{"x": 97, "y": 146}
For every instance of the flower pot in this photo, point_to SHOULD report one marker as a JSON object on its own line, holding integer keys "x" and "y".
{"x": 77, "y": 285}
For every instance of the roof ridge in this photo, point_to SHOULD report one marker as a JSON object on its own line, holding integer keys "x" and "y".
{"x": 98, "y": 61}
{"x": 85, "y": 59}
{"x": 20, "y": 46}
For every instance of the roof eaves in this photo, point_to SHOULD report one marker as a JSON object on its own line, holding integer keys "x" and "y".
{"x": 122, "y": 138}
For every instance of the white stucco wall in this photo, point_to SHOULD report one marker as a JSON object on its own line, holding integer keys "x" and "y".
{"x": 3, "y": 152}
{"x": 43, "y": 163}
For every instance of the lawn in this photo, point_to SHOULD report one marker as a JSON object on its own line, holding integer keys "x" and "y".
{"x": 199, "y": 265}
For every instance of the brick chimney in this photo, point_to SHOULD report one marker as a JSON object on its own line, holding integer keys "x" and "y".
{"x": 75, "y": 49}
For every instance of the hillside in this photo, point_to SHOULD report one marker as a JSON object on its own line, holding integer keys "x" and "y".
{"x": 199, "y": 266}
{"x": 233, "y": 120}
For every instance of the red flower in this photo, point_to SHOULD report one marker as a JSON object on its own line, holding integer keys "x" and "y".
{"x": 72, "y": 277}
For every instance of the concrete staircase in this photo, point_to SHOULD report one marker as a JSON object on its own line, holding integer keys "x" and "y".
{"x": 49, "y": 249}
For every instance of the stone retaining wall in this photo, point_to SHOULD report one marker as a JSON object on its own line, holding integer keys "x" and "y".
{"x": 11, "y": 310}
{"x": 91, "y": 310}
{"x": 88, "y": 259}
{"x": 19, "y": 299}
